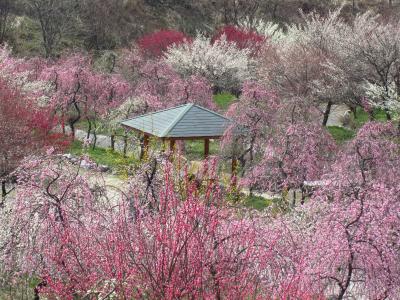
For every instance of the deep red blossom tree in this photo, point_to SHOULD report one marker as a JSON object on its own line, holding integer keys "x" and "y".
{"x": 241, "y": 37}
{"x": 25, "y": 129}
{"x": 154, "y": 44}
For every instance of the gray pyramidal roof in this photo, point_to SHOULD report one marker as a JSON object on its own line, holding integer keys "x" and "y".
{"x": 184, "y": 121}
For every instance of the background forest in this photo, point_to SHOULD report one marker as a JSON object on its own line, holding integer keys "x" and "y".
{"x": 49, "y": 27}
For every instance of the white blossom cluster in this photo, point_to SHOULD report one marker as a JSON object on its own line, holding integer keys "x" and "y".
{"x": 129, "y": 107}
{"x": 383, "y": 97}
{"x": 222, "y": 63}
{"x": 326, "y": 58}
{"x": 272, "y": 31}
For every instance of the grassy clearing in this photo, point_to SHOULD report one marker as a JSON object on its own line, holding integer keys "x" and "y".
{"x": 194, "y": 150}
{"x": 341, "y": 134}
{"x": 223, "y": 100}
{"x": 102, "y": 156}
{"x": 257, "y": 202}
{"x": 362, "y": 117}
{"x": 22, "y": 288}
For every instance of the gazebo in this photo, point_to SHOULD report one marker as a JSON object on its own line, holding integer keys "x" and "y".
{"x": 183, "y": 122}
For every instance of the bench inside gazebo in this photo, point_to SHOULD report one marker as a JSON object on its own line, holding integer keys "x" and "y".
{"x": 184, "y": 122}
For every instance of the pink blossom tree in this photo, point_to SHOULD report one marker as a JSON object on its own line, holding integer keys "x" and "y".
{"x": 160, "y": 86}
{"x": 293, "y": 155}
{"x": 254, "y": 116}
{"x": 353, "y": 249}
{"x": 80, "y": 242}
{"x": 81, "y": 239}
{"x": 284, "y": 144}
{"x": 80, "y": 92}
{"x": 23, "y": 74}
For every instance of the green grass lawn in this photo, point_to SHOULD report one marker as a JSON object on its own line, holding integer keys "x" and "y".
{"x": 194, "y": 150}
{"x": 362, "y": 117}
{"x": 257, "y": 202}
{"x": 102, "y": 156}
{"x": 223, "y": 100}
{"x": 341, "y": 134}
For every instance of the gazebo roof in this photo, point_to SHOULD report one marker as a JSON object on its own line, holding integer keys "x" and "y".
{"x": 184, "y": 121}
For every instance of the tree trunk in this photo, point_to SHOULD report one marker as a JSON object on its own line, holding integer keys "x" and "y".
{"x": 63, "y": 125}
{"x": 294, "y": 198}
{"x": 125, "y": 145}
{"x": 326, "y": 113}
{"x": 72, "y": 122}
{"x": 89, "y": 129}
{"x": 303, "y": 196}
{"x": 112, "y": 137}
{"x": 398, "y": 129}
{"x": 354, "y": 111}
{"x": 94, "y": 140}
{"x": 388, "y": 116}
{"x": 3, "y": 190}
{"x": 36, "y": 290}
{"x": 371, "y": 116}
{"x": 72, "y": 126}
{"x": 94, "y": 135}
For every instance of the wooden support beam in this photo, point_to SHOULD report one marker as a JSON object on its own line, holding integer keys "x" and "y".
{"x": 234, "y": 172}
{"x": 146, "y": 141}
{"x": 234, "y": 166}
{"x": 145, "y": 145}
{"x": 172, "y": 145}
{"x": 206, "y": 148}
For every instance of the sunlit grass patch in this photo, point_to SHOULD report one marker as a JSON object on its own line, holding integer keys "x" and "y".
{"x": 223, "y": 100}
{"x": 102, "y": 156}
{"x": 341, "y": 134}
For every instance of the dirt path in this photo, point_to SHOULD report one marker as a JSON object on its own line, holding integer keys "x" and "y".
{"x": 336, "y": 115}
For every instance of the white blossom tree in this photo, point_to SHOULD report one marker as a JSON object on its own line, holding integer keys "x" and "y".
{"x": 222, "y": 63}
{"x": 307, "y": 61}
{"x": 376, "y": 48}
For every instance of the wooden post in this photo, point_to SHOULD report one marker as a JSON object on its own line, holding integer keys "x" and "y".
{"x": 145, "y": 145}
{"x": 234, "y": 171}
{"x": 234, "y": 179}
{"x": 172, "y": 145}
{"x": 206, "y": 148}
{"x": 164, "y": 146}
{"x": 234, "y": 166}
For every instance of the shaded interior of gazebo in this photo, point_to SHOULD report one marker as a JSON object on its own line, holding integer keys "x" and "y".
{"x": 184, "y": 122}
